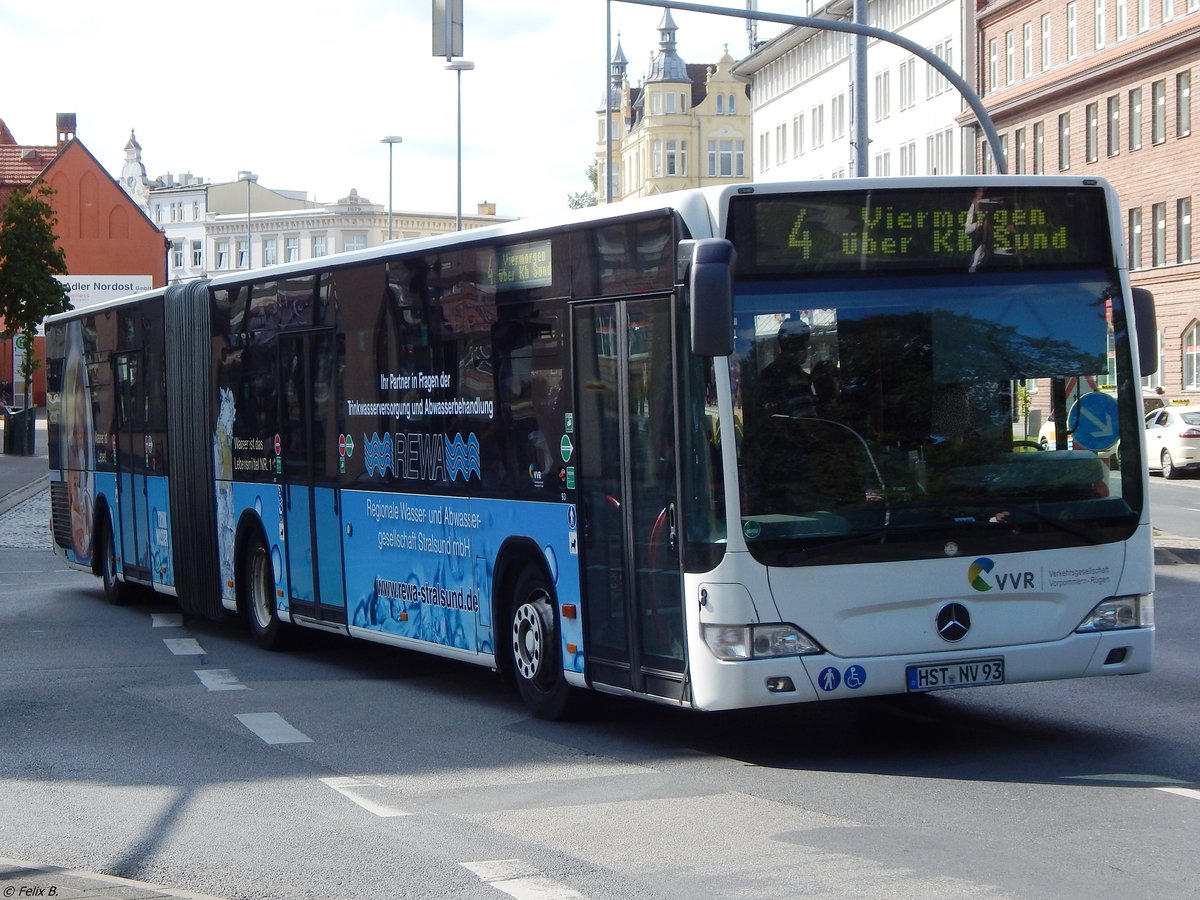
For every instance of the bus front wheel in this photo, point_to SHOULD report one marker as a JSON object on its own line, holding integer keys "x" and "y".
{"x": 536, "y": 656}
{"x": 258, "y": 595}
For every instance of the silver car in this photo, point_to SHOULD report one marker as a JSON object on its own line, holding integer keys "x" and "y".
{"x": 1173, "y": 440}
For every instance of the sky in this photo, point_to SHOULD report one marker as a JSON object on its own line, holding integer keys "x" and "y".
{"x": 301, "y": 92}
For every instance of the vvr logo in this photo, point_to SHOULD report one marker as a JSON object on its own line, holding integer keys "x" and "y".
{"x": 979, "y": 574}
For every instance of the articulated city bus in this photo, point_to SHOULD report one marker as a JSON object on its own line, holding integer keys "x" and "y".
{"x": 726, "y": 448}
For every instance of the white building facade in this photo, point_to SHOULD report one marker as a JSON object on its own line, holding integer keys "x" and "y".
{"x": 802, "y": 85}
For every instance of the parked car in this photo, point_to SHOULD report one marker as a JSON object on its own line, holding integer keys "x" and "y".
{"x": 1048, "y": 440}
{"x": 1173, "y": 440}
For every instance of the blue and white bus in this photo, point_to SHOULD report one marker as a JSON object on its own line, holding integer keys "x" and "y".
{"x": 726, "y": 448}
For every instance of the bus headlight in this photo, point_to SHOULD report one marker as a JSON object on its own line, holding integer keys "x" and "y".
{"x": 1135, "y": 611}
{"x": 758, "y": 641}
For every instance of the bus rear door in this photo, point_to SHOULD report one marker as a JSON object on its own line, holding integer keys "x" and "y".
{"x": 626, "y": 398}
{"x": 316, "y": 588}
{"x": 132, "y": 453}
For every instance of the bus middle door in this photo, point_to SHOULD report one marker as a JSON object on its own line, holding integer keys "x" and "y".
{"x": 131, "y": 464}
{"x": 625, "y": 426}
{"x": 312, "y": 508}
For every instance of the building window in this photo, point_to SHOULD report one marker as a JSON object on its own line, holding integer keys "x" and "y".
{"x": 1027, "y": 50}
{"x": 291, "y": 249}
{"x": 797, "y": 135}
{"x": 1072, "y": 31}
{"x": 837, "y": 116}
{"x": 197, "y": 255}
{"x": 243, "y": 253}
{"x": 732, "y": 108}
{"x": 1168, "y": 10}
{"x": 1010, "y": 58}
{"x": 1155, "y": 380}
{"x": 720, "y": 104}
{"x": 677, "y": 157}
{"x": 726, "y": 158}
{"x": 1064, "y": 141}
{"x": 1114, "y": 125}
{"x": 1019, "y": 151}
{"x": 1183, "y": 104}
{"x": 1135, "y": 238}
{"x": 939, "y": 152}
{"x": 176, "y": 254}
{"x": 908, "y": 158}
{"x": 908, "y": 84}
{"x": 1100, "y": 24}
{"x": 1183, "y": 230}
{"x": 935, "y": 82}
{"x": 781, "y": 142}
{"x": 1135, "y": 119}
{"x": 883, "y": 163}
{"x": 993, "y": 64}
{"x": 1158, "y": 239}
{"x": 1039, "y": 148}
{"x": 1143, "y": 13}
{"x": 1122, "y": 19}
{"x": 319, "y": 245}
{"x": 764, "y": 151}
{"x": 1091, "y": 114}
{"x": 817, "y": 123}
{"x": 195, "y": 210}
{"x": 222, "y": 254}
{"x": 1045, "y": 42}
{"x": 1158, "y": 112}
{"x": 1191, "y": 358}
{"x": 270, "y": 251}
{"x": 354, "y": 242}
{"x": 883, "y": 95}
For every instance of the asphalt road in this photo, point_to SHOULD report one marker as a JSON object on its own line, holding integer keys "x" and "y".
{"x": 139, "y": 744}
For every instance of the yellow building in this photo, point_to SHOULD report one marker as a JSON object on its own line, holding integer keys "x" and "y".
{"x": 685, "y": 126}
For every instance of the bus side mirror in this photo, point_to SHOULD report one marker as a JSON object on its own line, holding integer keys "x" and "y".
{"x": 709, "y": 279}
{"x": 1147, "y": 331}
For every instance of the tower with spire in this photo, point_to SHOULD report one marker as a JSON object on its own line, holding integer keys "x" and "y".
{"x": 683, "y": 126}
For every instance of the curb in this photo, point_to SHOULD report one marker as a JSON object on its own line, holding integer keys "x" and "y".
{"x": 30, "y": 879}
{"x": 22, "y": 494}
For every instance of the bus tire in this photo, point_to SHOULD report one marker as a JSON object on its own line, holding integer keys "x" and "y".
{"x": 536, "y": 654}
{"x": 257, "y": 584}
{"x": 106, "y": 563}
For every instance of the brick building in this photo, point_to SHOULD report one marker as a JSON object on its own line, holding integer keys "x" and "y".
{"x": 107, "y": 239}
{"x": 1103, "y": 87}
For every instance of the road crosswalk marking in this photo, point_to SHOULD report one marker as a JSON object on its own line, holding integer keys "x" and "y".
{"x": 521, "y": 880}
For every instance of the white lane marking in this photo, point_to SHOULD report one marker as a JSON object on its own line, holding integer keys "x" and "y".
{"x": 219, "y": 680}
{"x": 346, "y": 787}
{"x": 184, "y": 646}
{"x": 519, "y": 879}
{"x": 272, "y": 728}
{"x": 166, "y": 620}
{"x": 1182, "y": 792}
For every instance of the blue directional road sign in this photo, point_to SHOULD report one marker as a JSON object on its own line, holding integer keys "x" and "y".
{"x": 1092, "y": 421}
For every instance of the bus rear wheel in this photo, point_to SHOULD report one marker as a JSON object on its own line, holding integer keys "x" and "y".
{"x": 106, "y": 557}
{"x": 258, "y": 595}
{"x": 536, "y": 656}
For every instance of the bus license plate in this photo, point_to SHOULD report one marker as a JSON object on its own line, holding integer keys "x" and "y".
{"x": 940, "y": 676}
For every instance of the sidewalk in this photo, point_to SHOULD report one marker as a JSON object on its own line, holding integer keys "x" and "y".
{"x": 27, "y": 879}
{"x": 23, "y": 476}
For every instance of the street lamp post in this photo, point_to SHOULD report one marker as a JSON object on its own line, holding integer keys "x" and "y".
{"x": 459, "y": 66}
{"x": 391, "y": 140}
{"x": 249, "y": 178}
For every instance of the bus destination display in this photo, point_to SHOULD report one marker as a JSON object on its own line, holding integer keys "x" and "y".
{"x": 914, "y": 230}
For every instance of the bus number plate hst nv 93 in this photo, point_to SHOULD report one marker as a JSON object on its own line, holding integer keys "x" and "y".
{"x": 940, "y": 676}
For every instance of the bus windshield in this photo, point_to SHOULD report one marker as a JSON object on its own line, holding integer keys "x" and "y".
{"x": 902, "y": 415}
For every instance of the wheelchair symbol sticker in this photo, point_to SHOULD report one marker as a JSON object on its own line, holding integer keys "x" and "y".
{"x": 856, "y": 677}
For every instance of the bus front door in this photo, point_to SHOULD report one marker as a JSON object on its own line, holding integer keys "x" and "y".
{"x": 316, "y": 587}
{"x": 627, "y": 471}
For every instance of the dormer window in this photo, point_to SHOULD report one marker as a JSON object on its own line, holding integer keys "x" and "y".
{"x": 720, "y": 104}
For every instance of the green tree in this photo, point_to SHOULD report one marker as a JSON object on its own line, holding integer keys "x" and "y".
{"x": 29, "y": 259}
{"x": 585, "y": 198}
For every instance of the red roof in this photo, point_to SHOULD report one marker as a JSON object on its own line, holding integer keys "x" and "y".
{"x": 21, "y": 164}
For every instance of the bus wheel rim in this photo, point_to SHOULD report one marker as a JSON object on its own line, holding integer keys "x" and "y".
{"x": 260, "y": 598}
{"x": 528, "y": 641}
